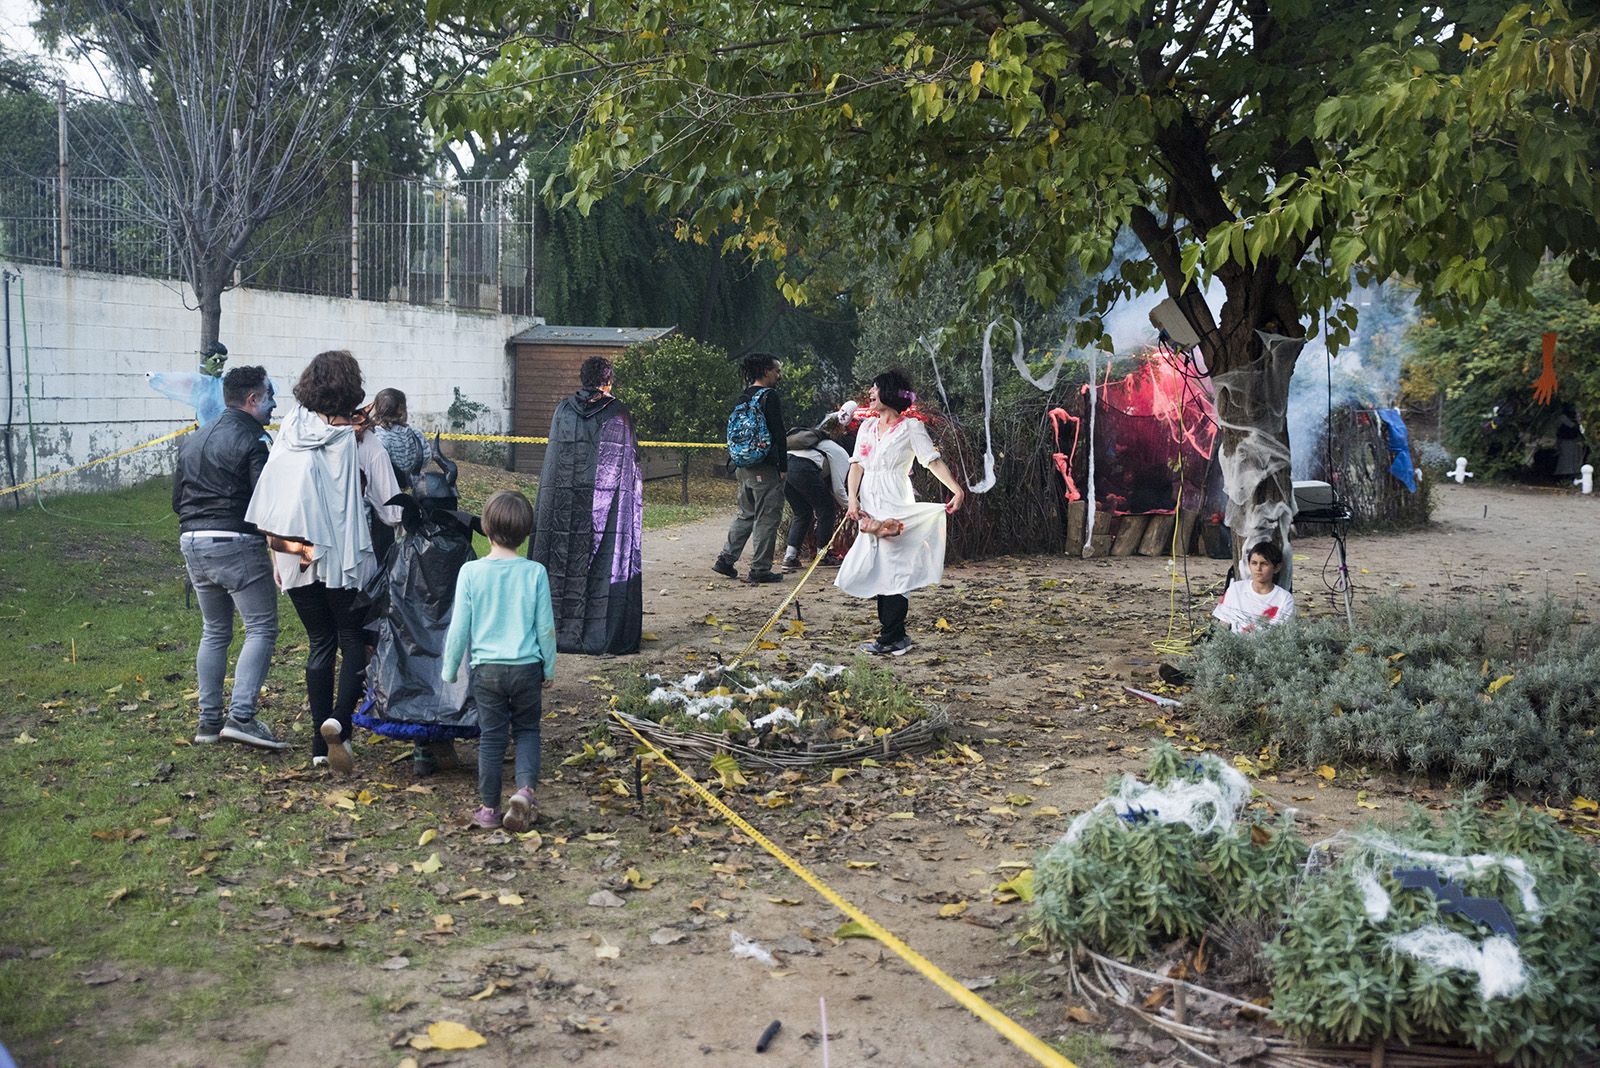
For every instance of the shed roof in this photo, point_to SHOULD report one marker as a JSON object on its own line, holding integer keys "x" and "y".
{"x": 609, "y": 336}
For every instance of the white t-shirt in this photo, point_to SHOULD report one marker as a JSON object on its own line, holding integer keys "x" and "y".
{"x": 1244, "y": 610}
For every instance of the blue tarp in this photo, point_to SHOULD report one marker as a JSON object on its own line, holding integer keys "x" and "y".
{"x": 1400, "y": 445}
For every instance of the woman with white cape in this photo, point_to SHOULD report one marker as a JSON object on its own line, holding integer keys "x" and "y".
{"x": 901, "y": 546}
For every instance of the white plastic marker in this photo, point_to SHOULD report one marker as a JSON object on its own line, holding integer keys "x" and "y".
{"x": 823, "y": 1002}
{"x": 1460, "y": 474}
{"x": 1585, "y": 479}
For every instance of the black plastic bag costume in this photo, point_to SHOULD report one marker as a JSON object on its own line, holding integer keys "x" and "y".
{"x": 587, "y": 527}
{"x": 412, "y": 601}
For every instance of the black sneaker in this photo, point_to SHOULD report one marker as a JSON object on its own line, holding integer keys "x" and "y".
{"x": 791, "y": 563}
{"x": 756, "y": 579}
{"x": 875, "y": 648}
{"x": 208, "y": 733}
{"x": 1173, "y": 675}
{"x": 251, "y": 732}
{"x": 723, "y": 568}
{"x": 899, "y": 647}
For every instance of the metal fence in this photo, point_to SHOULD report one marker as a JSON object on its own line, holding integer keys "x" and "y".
{"x": 457, "y": 244}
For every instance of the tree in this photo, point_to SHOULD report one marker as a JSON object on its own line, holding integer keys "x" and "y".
{"x": 1241, "y": 140}
{"x": 1484, "y": 367}
{"x": 236, "y": 110}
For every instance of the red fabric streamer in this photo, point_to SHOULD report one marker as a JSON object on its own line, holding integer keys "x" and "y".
{"x": 1064, "y": 460}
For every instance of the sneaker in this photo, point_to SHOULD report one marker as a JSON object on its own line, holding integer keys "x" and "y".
{"x": 486, "y": 817}
{"x": 520, "y": 811}
{"x": 757, "y": 579}
{"x": 875, "y": 648}
{"x": 831, "y": 560}
{"x": 208, "y": 733}
{"x": 791, "y": 564}
{"x": 251, "y": 732}
{"x": 1173, "y": 675}
{"x": 340, "y": 755}
{"x": 722, "y": 567}
{"x": 898, "y": 648}
{"x": 319, "y": 761}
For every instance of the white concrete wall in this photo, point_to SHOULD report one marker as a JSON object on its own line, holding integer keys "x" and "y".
{"x": 91, "y": 339}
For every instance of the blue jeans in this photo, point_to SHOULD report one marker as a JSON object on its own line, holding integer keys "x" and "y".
{"x": 507, "y": 696}
{"x": 229, "y": 574}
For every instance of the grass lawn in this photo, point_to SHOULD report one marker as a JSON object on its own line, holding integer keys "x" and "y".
{"x": 182, "y": 873}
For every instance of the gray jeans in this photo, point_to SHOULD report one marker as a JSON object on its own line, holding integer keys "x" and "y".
{"x": 760, "y": 511}
{"x": 230, "y": 573}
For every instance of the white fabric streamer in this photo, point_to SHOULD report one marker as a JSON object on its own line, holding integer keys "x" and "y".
{"x": 987, "y": 482}
{"x": 1048, "y": 381}
{"x": 1497, "y": 961}
{"x": 1205, "y": 806}
{"x": 1374, "y": 898}
{"x": 1088, "y": 523}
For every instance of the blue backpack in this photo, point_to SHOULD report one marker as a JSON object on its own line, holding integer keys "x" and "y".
{"x": 749, "y": 440}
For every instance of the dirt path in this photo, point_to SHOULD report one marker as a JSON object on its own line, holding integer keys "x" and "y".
{"x": 1030, "y": 669}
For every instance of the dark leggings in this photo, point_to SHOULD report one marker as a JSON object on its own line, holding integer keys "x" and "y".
{"x": 333, "y": 629}
{"x": 892, "y": 609}
{"x": 806, "y": 489}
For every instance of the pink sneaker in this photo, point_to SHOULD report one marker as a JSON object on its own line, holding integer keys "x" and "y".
{"x": 520, "y": 811}
{"x": 486, "y": 817}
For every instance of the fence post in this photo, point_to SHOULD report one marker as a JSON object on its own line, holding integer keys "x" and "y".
{"x": 64, "y": 225}
{"x": 444, "y": 202}
{"x": 499, "y": 248}
{"x": 355, "y": 231}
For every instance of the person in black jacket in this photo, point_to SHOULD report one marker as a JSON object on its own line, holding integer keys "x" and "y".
{"x": 227, "y": 557}
{"x": 760, "y": 485}
{"x": 590, "y": 519}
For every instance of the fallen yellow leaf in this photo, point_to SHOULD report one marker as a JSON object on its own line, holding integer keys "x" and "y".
{"x": 510, "y": 899}
{"x": 1326, "y": 772}
{"x": 447, "y": 1034}
{"x": 427, "y": 836}
{"x": 1497, "y": 683}
{"x": 952, "y": 910}
{"x": 1583, "y": 804}
{"x": 942, "y": 624}
{"x": 427, "y": 867}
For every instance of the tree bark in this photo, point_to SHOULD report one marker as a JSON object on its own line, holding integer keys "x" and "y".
{"x": 208, "y": 295}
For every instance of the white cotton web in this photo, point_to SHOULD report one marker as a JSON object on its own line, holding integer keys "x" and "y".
{"x": 1497, "y": 960}
{"x": 708, "y": 706}
{"x": 1254, "y": 448}
{"x": 985, "y": 484}
{"x": 1452, "y": 866}
{"x": 1206, "y": 806}
{"x": 1374, "y": 898}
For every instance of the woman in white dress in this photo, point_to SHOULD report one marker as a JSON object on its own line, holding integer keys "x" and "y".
{"x": 879, "y": 494}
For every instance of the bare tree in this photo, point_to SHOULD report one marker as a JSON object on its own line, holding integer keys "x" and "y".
{"x": 242, "y": 106}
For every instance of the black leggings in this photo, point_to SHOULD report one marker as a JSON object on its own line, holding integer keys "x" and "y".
{"x": 810, "y": 498}
{"x": 892, "y": 609}
{"x": 333, "y": 625}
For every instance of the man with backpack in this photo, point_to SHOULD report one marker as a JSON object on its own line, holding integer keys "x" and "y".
{"x": 757, "y": 451}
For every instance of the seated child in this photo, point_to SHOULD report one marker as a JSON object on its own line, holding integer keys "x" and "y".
{"x": 1257, "y": 601}
{"x": 503, "y": 618}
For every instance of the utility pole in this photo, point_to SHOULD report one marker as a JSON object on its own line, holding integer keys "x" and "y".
{"x": 355, "y": 232}
{"x": 64, "y": 223}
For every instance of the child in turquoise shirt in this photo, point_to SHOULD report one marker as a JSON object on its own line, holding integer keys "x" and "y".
{"x": 502, "y": 616}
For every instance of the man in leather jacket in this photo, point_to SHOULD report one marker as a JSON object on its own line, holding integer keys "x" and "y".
{"x": 227, "y": 558}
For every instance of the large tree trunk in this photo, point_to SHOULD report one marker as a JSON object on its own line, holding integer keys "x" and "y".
{"x": 1252, "y": 357}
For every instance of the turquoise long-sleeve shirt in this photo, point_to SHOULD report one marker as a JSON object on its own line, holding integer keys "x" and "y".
{"x": 502, "y": 615}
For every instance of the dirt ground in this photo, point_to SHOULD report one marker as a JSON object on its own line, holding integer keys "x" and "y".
{"x": 1030, "y": 669}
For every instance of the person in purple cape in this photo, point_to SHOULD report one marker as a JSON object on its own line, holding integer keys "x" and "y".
{"x": 590, "y": 512}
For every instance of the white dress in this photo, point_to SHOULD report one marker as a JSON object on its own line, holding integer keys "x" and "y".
{"x": 914, "y": 558}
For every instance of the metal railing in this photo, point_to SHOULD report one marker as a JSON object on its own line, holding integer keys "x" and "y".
{"x": 465, "y": 245}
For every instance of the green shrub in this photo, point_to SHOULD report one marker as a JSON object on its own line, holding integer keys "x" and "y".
{"x": 1338, "y": 975}
{"x": 680, "y": 389}
{"x": 1482, "y": 693}
{"x": 1126, "y": 881}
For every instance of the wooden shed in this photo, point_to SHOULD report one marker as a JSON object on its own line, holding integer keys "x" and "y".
{"x": 545, "y": 362}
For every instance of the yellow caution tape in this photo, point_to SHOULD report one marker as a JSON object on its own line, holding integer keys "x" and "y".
{"x": 516, "y": 439}
{"x": 104, "y": 459}
{"x": 1012, "y": 1031}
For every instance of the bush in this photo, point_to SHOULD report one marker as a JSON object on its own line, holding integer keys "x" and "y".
{"x": 1472, "y": 694}
{"x": 1485, "y": 368}
{"x": 680, "y": 389}
{"x": 1125, "y": 880}
{"x": 1339, "y": 974}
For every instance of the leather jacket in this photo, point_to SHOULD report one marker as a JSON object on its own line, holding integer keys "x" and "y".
{"x": 217, "y": 470}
